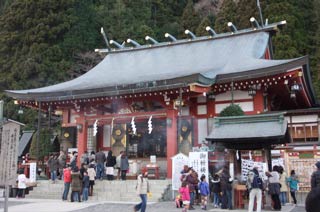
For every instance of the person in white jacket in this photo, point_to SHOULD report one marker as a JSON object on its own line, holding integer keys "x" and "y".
{"x": 22, "y": 184}
{"x": 142, "y": 188}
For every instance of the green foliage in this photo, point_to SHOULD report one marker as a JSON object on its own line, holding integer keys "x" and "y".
{"x": 190, "y": 19}
{"x": 44, "y": 42}
{"x": 232, "y": 110}
{"x": 227, "y": 13}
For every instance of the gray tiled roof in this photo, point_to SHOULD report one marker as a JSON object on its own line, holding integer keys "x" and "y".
{"x": 200, "y": 61}
{"x": 254, "y": 128}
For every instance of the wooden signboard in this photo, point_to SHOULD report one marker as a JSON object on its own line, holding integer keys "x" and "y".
{"x": 9, "y": 153}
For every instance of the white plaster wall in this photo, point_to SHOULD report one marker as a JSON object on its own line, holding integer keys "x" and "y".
{"x": 304, "y": 118}
{"x": 237, "y": 95}
{"x": 202, "y": 130}
{"x": 106, "y": 135}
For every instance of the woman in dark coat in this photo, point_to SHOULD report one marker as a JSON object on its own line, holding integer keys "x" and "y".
{"x": 124, "y": 166}
{"x": 76, "y": 185}
{"x": 226, "y": 188}
{"x": 110, "y": 163}
{"x": 216, "y": 190}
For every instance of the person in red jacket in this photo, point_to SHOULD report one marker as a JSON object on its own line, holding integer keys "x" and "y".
{"x": 67, "y": 181}
{"x": 185, "y": 195}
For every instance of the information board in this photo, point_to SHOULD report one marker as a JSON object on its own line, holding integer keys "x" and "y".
{"x": 178, "y": 162}
{"x": 9, "y": 153}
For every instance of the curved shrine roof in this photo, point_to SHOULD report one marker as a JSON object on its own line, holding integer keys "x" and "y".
{"x": 203, "y": 60}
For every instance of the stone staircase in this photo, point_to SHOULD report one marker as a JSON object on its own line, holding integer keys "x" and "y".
{"x": 122, "y": 191}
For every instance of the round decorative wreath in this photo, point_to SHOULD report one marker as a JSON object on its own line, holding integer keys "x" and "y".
{"x": 118, "y": 132}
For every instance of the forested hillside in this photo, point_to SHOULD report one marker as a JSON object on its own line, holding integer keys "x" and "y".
{"x": 48, "y": 41}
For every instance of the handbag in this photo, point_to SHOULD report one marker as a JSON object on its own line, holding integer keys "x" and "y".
{"x": 110, "y": 171}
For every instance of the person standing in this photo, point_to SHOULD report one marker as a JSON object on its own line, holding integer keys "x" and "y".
{"x": 192, "y": 181}
{"x": 85, "y": 186}
{"x": 226, "y": 188}
{"x": 274, "y": 187}
{"x": 53, "y": 165}
{"x": 84, "y": 159}
{"x": 75, "y": 185}
{"x": 62, "y": 163}
{"x": 92, "y": 176}
{"x": 143, "y": 188}
{"x": 293, "y": 185}
{"x": 283, "y": 187}
{"x": 110, "y": 163}
{"x": 185, "y": 195}
{"x": 73, "y": 160}
{"x": 315, "y": 177}
{"x": 100, "y": 159}
{"x": 118, "y": 162}
{"x": 67, "y": 181}
{"x": 204, "y": 192}
{"x": 255, "y": 186}
{"x": 22, "y": 184}
{"x": 124, "y": 166}
{"x": 216, "y": 189}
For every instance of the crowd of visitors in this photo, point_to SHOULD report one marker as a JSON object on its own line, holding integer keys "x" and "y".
{"x": 93, "y": 166}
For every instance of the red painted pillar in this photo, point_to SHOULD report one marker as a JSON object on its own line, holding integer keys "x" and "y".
{"x": 258, "y": 102}
{"x": 82, "y": 137}
{"x": 172, "y": 145}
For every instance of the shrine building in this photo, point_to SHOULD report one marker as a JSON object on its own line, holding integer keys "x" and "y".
{"x": 162, "y": 98}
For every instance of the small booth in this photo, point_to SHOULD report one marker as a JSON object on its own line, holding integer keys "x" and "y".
{"x": 249, "y": 140}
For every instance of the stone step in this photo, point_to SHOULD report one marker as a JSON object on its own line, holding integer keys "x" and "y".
{"x": 103, "y": 190}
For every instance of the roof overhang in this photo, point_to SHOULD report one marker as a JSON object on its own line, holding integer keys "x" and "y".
{"x": 250, "y": 132}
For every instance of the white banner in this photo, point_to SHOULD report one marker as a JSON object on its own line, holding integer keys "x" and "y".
{"x": 247, "y": 165}
{"x": 178, "y": 162}
{"x": 33, "y": 172}
{"x": 199, "y": 162}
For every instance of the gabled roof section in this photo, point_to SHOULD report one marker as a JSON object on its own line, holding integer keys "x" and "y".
{"x": 250, "y": 132}
{"x": 165, "y": 66}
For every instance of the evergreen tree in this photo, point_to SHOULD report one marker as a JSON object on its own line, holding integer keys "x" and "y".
{"x": 245, "y": 10}
{"x": 190, "y": 19}
{"x": 201, "y": 30}
{"x": 226, "y": 14}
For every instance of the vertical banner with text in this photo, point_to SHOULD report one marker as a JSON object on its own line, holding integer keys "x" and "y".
{"x": 199, "y": 162}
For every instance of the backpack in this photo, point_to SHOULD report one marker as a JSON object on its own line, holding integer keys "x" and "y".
{"x": 257, "y": 182}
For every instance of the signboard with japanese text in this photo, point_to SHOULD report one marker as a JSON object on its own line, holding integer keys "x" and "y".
{"x": 178, "y": 162}
{"x": 247, "y": 165}
{"x": 33, "y": 172}
{"x": 9, "y": 152}
{"x": 199, "y": 162}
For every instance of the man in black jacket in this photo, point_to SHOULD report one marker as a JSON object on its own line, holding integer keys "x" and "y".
{"x": 315, "y": 177}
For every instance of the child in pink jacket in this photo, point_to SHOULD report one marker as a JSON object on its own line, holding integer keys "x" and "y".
{"x": 185, "y": 195}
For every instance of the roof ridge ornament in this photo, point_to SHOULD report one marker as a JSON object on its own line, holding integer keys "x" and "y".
{"x": 153, "y": 41}
{"x": 105, "y": 38}
{"x": 254, "y": 23}
{"x": 133, "y": 42}
{"x": 167, "y": 35}
{"x": 211, "y": 31}
{"x": 118, "y": 45}
{"x": 191, "y": 34}
{"x": 232, "y": 27}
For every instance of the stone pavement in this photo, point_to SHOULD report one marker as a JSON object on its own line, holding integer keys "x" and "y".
{"x": 44, "y": 205}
